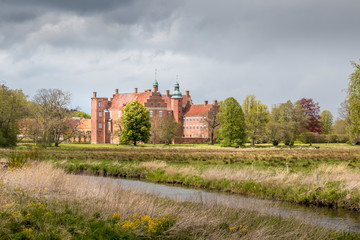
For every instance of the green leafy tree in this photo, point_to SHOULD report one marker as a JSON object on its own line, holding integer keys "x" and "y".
{"x": 339, "y": 126}
{"x": 353, "y": 99}
{"x": 326, "y": 119}
{"x": 13, "y": 106}
{"x": 286, "y": 123}
{"x": 232, "y": 123}
{"x": 256, "y": 118}
{"x": 81, "y": 114}
{"x": 170, "y": 129}
{"x": 135, "y": 121}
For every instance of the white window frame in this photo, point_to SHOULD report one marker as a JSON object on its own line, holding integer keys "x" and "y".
{"x": 151, "y": 114}
{"x": 160, "y": 114}
{"x": 100, "y": 114}
{"x": 100, "y": 125}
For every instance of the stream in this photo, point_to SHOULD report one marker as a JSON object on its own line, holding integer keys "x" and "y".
{"x": 337, "y": 219}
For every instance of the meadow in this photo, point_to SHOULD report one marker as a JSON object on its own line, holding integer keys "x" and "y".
{"x": 39, "y": 201}
{"x": 327, "y": 177}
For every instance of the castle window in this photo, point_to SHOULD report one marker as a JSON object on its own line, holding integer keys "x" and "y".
{"x": 187, "y": 119}
{"x": 190, "y": 119}
{"x": 119, "y": 114}
{"x": 152, "y": 103}
{"x": 200, "y": 126}
{"x": 100, "y": 125}
{"x": 204, "y": 126}
{"x": 151, "y": 113}
{"x": 201, "y": 119}
{"x": 197, "y": 127}
{"x": 183, "y": 126}
{"x": 160, "y": 113}
{"x": 190, "y": 127}
{"x": 110, "y": 114}
{"x": 99, "y": 104}
{"x": 197, "y": 119}
{"x": 186, "y": 127}
{"x": 159, "y": 104}
{"x": 100, "y": 114}
{"x": 109, "y": 125}
{"x": 194, "y": 119}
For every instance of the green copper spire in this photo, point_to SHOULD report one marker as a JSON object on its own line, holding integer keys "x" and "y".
{"x": 176, "y": 93}
{"x": 155, "y": 82}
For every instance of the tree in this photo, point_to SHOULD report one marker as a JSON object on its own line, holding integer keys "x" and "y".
{"x": 170, "y": 129}
{"x": 135, "y": 121}
{"x": 286, "y": 123}
{"x": 212, "y": 121}
{"x": 312, "y": 112}
{"x": 339, "y": 126}
{"x": 256, "y": 118}
{"x": 13, "y": 107}
{"x": 52, "y": 117}
{"x": 353, "y": 99}
{"x": 155, "y": 130}
{"x": 326, "y": 119}
{"x": 232, "y": 123}
{"x": 81, "y": 115}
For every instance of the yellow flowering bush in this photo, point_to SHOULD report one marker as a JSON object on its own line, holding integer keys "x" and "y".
{"x": 239, "y": 228}
{"x": 145, "y": 223}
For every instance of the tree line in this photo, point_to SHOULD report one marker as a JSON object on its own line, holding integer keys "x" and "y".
{"x": 46, "y": 119}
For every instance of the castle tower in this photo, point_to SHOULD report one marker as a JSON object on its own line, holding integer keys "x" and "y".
{"x": 155, "y": 86}
{"x": 99, "y": 120}
{"x": 176, "y": 103}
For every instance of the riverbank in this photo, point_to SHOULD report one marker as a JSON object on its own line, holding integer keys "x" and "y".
{"x": 40, "y": 202}
{"x": 320, "y": 177}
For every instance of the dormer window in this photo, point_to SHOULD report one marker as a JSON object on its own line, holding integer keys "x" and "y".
{"x": 99, "y": 104}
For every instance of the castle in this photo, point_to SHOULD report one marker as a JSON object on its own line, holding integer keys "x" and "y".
{"x": 194, "y": 118}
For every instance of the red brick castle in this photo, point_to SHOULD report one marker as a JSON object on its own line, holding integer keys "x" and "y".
{"x": 105, "y": 113}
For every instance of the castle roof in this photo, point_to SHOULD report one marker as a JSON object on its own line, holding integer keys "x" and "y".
{"x": 198, "y": 109}
{"x": 121, "y": 99}
{"x": 84, "y": 124}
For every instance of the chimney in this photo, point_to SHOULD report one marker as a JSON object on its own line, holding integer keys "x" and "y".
{"x": 94, "y": 94}
{"x": 116, "y": 91}
{"x": 113, "y": 96}
{"x": 168, "y": 93}
{"x": 215, "y": 102}
{"x": 136, "y": 90}
{"x": 188, "y": 93}
{"x": 206, "y": 102}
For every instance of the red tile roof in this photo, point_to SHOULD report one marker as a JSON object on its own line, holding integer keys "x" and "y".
{"x": 198, "y": 109}
{"x": 119, "y": 100}
{"x": 84, "y": 124}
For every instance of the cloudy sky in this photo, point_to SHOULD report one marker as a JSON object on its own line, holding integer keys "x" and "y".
{"x": 277, "y": 50}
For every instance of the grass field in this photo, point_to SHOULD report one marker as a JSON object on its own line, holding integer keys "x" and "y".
{"x": 323, "y": 177}
{"x": 39, "y": 201}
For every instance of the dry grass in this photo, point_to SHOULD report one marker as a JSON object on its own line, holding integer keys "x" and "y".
{"x": 349, "y": 178}
{"x": 200, "y": 220}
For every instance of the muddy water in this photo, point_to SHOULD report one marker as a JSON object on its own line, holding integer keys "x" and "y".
{"x": 333, "y": 219}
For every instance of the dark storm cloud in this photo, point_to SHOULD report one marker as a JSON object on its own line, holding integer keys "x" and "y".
{"x": 278, "y": 50}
